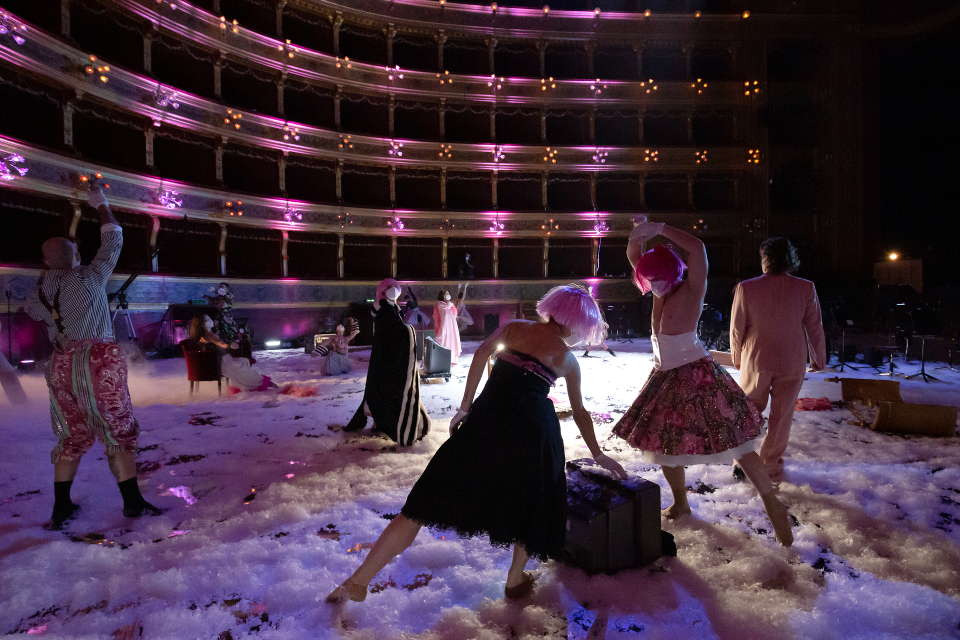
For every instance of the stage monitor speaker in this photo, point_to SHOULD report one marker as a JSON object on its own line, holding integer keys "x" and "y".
{"x": 436, "y": 359}
{"x": 422, "y": 334}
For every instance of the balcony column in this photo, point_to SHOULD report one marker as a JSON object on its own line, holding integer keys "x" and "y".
{"x": 281, "y": 83}
{"x": 691, "y": 201}
{"x": 592, "y": 124}
{"x": 74, "y": 219}
{"x": 337, "y": 99}
{"x": 441, "y": 39}
{"x": 148, "y": 37}
{"x": 154, "y": 233}
{"x": 338, "y": 180}
{"x": 638, "y": 54}
{"x": 443, "y": 188}
{"x": 593, "y": 190}
{"x": 493, "y": 122}
{"x": 689, "y": 118}
{"x": 282, "y": 172}
{"x": 281, "y": 5}
{"x": 688, "y": 61}
{"x": 496, "y": 258}
{"x": 218, "y": 75}
{"x": 392, "y": 115}
{"x": 393, "y": 256}
{"x": 542, "y": 54}
{"x": 341, "y": 270}
{"x": 444, "y": 262}
{"x": 392, "y": 182}
{"x": 218, "y": 159}
{"x": 284, "y": 259}
{"x": 641, "y": 132}
{"x": 543, "y": 125}
{"x": 69, "y": 105}
{"x": 546, "y": 257}
{"x": 65, "y": 18}
{"x": 595, "y": 257}
{"x": 222, "y": 249}
{"x": 494, "y": 180}
{"x": 643, "y": 191}
{"x": 149, "y": 136}
{"x": 544, "y": 200}
{"x": 492, "y": 55}
{"x": 337, "y": 24}
{"x": 442, "y": 117}
{"x": 391, "y": 33}
{"x": 589, "y": 50}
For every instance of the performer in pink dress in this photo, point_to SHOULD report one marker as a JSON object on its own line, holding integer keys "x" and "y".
{"x": 689, "y": 411}
{"x": 445, "y": 314}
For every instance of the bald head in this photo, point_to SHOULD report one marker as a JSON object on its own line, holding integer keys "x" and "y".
{"x": 60, "y": 253}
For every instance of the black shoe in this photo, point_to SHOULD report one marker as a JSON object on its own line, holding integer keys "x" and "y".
{"x": 738, "y": 473}
{"x": 357, "y": 422}
{"x": 144, "y": 508}
{"x": 610, "y": 351}
{"x": 586, "y": 354}
{"x": 62, "y": 516}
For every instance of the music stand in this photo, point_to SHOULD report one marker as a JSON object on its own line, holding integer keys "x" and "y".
{"x": 922, "y": 374}
{"x": 123, "y": 306}
{"x": 841, "y": 356}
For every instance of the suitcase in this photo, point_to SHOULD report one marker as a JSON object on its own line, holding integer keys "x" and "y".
{"x": 612, "y": 524}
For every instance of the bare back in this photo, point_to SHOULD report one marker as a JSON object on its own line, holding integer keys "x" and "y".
{"x": 679, "y": 311}
{"x": 538, "y": 339}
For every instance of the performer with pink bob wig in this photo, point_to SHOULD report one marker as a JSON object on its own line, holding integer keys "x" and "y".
{"x": 689, "y": 411}
{"x": 501, "y": 473}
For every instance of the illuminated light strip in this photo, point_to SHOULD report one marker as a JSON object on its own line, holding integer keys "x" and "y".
{"x": 375, "y": 79}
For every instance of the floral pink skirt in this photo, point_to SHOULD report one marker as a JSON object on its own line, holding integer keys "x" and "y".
{"x": 694, "y": 414}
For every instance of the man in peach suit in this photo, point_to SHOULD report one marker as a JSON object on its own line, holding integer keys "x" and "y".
{"x": 775, "y": 326}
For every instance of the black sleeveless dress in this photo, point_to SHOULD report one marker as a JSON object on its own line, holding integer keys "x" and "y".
{"x": 502, "y": 473}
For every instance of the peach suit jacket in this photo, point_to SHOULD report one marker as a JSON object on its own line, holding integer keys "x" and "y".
{"x": 775, "y": 325}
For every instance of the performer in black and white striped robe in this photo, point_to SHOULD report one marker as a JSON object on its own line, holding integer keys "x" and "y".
{"x": 392, "y": 391}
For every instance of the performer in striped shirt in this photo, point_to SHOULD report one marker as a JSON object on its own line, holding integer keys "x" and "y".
{"x": 87, "y": 374}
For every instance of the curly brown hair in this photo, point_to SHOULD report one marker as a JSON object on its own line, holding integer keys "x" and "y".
{"x": 778, "y": 255}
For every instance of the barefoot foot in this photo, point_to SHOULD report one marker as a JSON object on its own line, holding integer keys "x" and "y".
{"x": 676, "y": 511}
{"x": 348, "y": 591}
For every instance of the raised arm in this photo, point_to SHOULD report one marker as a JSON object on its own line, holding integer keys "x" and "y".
{"x": 461, "y": 295}
{"x": 582, "y": 418}
{"x": 696, "y": 253}
{"x": 738, "y": 325}
{"x": 111, "y": 238}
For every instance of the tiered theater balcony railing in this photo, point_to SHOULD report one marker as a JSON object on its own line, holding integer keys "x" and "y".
{"x": 501, "y": 20}
{"x": 290, "y": 60}
{"x": 163, "y": 105}
{"x": 56, "y": 175}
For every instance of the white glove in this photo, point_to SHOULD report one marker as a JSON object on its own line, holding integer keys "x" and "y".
{"x": 96, "y": 198}
{"x": 611, "y": 465}
{"x": 457, "y": 420}
{"x": 647, "y": 230}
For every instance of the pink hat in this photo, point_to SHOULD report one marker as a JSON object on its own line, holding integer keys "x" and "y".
{"x": 658, "y": 264}
{"x": 385, "y": 284}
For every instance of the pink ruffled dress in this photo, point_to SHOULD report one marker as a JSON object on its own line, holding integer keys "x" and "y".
{"x": 448, "y": 332}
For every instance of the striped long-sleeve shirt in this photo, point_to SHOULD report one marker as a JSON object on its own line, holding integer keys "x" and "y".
{"x": 79, "y": 295}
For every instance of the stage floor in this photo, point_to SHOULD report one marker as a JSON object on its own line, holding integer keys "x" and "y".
{"x": 268, "y": 508}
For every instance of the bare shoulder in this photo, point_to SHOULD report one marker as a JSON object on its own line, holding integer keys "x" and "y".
{"x": 568, "y": 364}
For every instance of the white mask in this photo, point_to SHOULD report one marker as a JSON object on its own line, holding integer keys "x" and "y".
{"x": 392, "y": 293}
{"x": 208, "y": 324}
{"x": 446, "y": 297}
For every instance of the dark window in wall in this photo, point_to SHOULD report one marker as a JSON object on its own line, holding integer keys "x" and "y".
{"x": 613, "y": 258}
{"x": 566, "y": 61}
{"x": 249, "y": 170}
{"x": 722, "y": 259}
{"x": 308, "y": 30}
{"x": 39, "y": 120}
{"x": 716, "y": 193}
{"x": 793, "y": 185}
{"x": 713, "y": 65}
{"x": 664, "y": 64}
{"x": 418, "y": 258}
{"x": 177, "y": 63}
{"x": 481, "y": 256}
{"x": 35, "y": 219}
{"x": 664, "y": 194}
{"x": 518, "y": 125}
{"x": 45, "y": 15}
{"x": 312, "y": 179}
{"x": 620, "y": 128}
{"x": 616, "y": 63}
{"x": 521, "y": 258}
{"x": 366, "y": 257}
{"x": 252, "y": 15}
{"x": 135, "y": 255}
{"x": 248, "y": 88}
{"x": 418, "y": 189}
{"x": 794, "y": 61}
{"x": 312, "y": 255}
{"x": 468, "y": 191}
{"x": 366, "y": 186}
{"x": 109, "y": 136}
{"x": 568, "y": 128}
{"x": 362, "y": 44}
{"x": 308, "y": 104}
{"x": 569, "y": 192}
{"x": 793, "y": 124}
{"x": 516, "y": 59}
{"x": 417, "y": 120}
{"x": 109, "y": 35}
{"x": 570, "y": 257}
{"x": 619, "y": 192}
{"x": 519, "y": 192}
{"x": 363, "y": 114}
{"x": 713, "y": 129}
{"x": 414, "y": 53}
{"x": 467, "y": 123}
{"x": 189, "y": 247}
{"x": 466, "y": 57}
{"x": 253, "y": 252}
{"x": 179, "y": 156}
{"x": 665, "y": 130}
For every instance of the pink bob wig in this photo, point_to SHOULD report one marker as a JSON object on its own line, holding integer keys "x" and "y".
{"x": 385, "y": 284}
{"x": 658, "y": 264}
{"x": 573, "y": 307}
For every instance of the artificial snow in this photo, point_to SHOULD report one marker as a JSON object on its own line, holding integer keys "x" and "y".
{"x": 269, "y": 508}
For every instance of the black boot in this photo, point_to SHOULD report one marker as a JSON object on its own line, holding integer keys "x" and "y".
{"x": 134, "y": 504}
{"x": 610, "y": 351}
{"x": 63, "y": 507}
{"x": 738, "y": 473}
{"x": 358, "y": 421}
{"x": 586, "y": 354}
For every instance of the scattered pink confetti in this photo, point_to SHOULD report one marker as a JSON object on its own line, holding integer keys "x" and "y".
{"x": 178, "y": 532}
{"x": 360, "y": 546}
{"x": 36, "y": 631}
{"x": 290, "y": 475}
{"x": 181, "y": 492}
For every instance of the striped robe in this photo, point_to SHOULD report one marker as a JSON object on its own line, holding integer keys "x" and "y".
{"x": 392, "y": 390}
